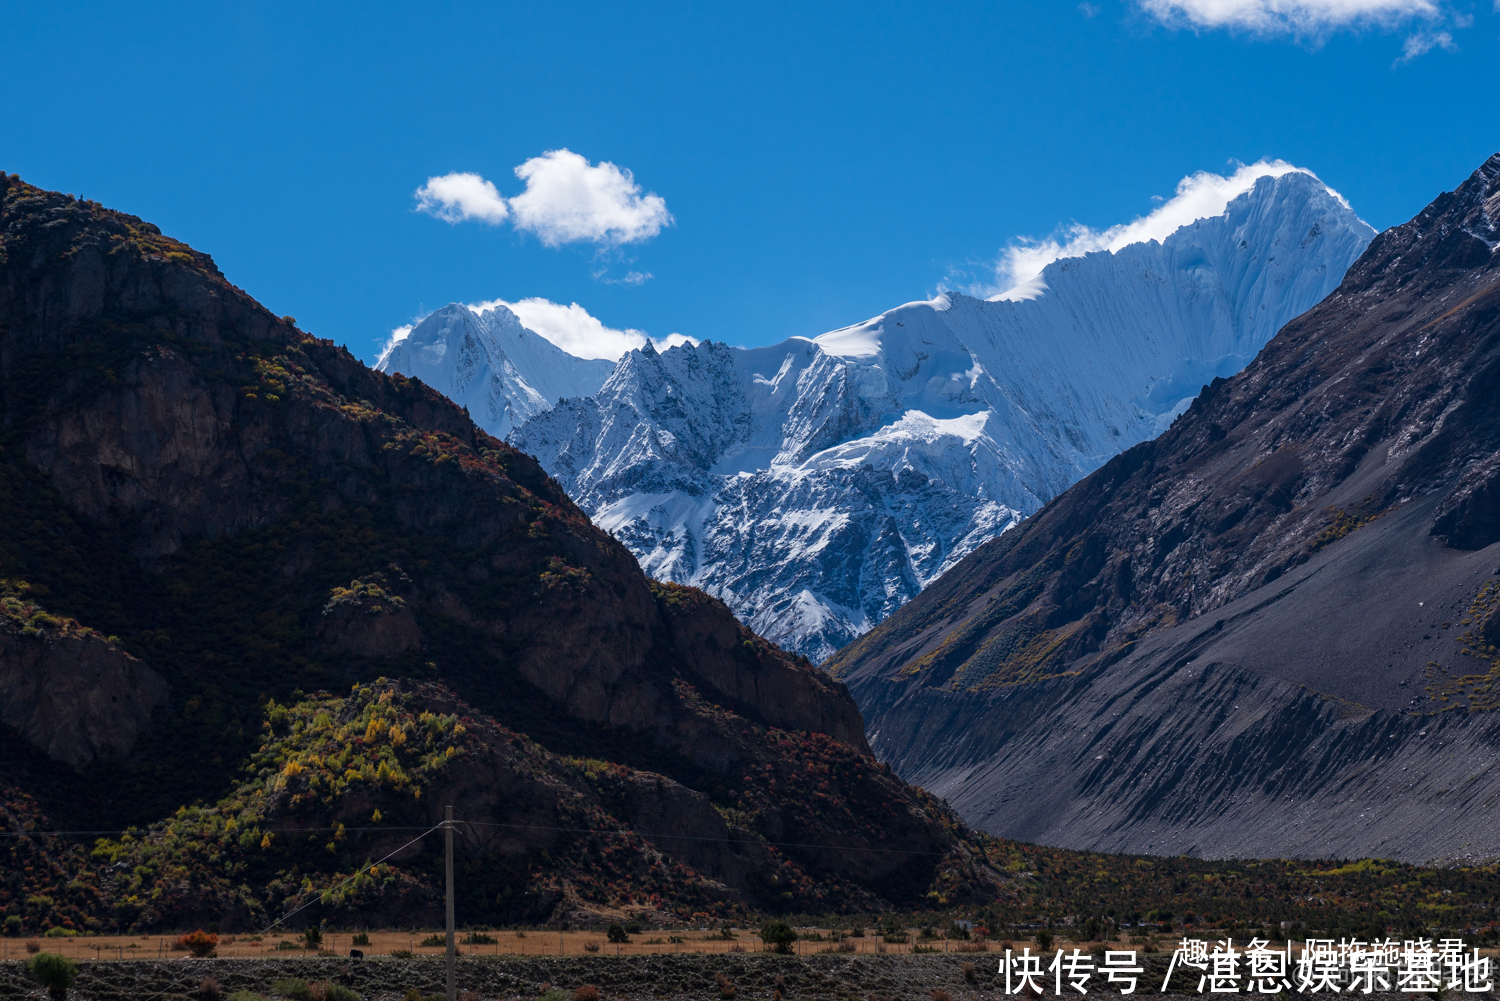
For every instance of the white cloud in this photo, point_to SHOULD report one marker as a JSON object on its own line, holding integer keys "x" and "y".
{"x": 1302, "y": 18}
{"x": 455, "y": 197}
{"x": 630, "y": 278}
{"x": 397, "y": 336}
{"x": 569, "y": 200}
{"x": 1199, "y": 196}
{"x": 1424, "y": 42}
{"x": 576, "y": 331}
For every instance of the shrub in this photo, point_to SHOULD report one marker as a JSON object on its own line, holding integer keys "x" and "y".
{"x": 632, "y": 927}
{"x": 13, "y": 925}
{"x": 33, "y": 946}
{"x": 435, "y": 942}
{"x": 245, "y": 995}
{"x": 591, "y": 947}
{"x": 779, "y": 935}
{"x": 969, "y": 974}
{"x": 58, "y": 931}
{"x": 209, "y": 989}
{"x": 313, "y": 937}
{"x": 291, "y": 988}
{"x": 54, "y": 972}
{"x": 401, "y": 953}
{"x": 617, "y": 934}
{"x": 1044, "y": 940}
{"x": 726, "y": 986}
{"x": 477, "y": 938}
{"x": 360, "y": 939}
{"x": 588, "y": 992}
{"x": 200, "y": 943}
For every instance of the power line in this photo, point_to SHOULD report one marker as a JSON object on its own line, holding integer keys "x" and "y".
{"x": 319, "y": 894}
{"x": 693, "y": 837}
{"x": 520, "y": 827}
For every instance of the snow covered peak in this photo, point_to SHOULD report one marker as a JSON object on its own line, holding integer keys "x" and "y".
{"x": 1199, "y": 196}
{"x": 492, "y": 364}
{"x": 816, "y": 485}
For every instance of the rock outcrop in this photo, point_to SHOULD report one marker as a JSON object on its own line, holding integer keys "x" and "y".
{"x": 68, "y": 691}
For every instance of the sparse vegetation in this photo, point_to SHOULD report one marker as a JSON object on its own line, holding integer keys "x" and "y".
{"x": 55, "y": 973}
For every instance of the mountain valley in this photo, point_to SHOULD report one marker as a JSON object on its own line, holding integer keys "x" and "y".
{"x": 1272, "y": 630}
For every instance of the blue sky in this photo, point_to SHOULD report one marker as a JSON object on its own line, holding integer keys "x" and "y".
{"x": 819, "y": 163}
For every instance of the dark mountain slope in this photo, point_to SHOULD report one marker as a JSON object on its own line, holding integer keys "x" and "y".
{"x": 1223, "y": 634}
{"x": 205, "y": 512}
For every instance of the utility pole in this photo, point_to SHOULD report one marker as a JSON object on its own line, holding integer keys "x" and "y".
{"x": 448, "y": 846}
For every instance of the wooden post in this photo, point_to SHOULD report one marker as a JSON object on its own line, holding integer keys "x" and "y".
{"x": 448, "y": 862}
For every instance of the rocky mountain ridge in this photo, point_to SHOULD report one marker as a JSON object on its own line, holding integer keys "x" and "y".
{"x": 194, "y": 488}
{"x": 1273, "y": 628}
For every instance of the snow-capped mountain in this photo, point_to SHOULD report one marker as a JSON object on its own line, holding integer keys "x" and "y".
{"x": 490, "y": 363}
{"x": 817, "y": 485}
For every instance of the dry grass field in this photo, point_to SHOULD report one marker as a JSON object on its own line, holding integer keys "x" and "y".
{"x": 505, "y": 943}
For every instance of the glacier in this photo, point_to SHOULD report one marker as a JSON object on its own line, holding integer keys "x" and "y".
{"x": 818, "y": 484}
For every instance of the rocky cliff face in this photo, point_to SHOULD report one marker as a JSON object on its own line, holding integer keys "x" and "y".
{"x": 68, "y": 691}
{"x": 1226, "y": 631}
{"x": 256, "y": 515}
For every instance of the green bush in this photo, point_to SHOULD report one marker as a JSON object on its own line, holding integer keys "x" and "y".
{"x": 245, "y": 995}
{"x": 779, "y": 935}
{"x": 13, "y": 925}
{"x": 54, "y": 972}
{"x": 435, "y": 942}
{"x": 360, "y": 939}
{"x": 617, "y": 934}
{"x": 58, "y": 931}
